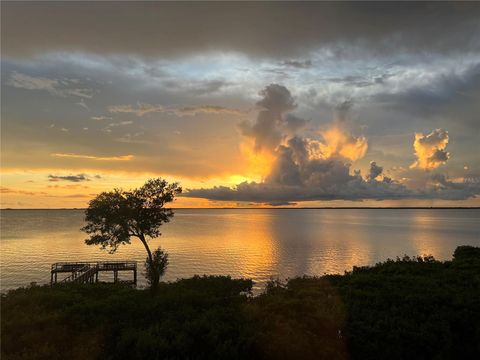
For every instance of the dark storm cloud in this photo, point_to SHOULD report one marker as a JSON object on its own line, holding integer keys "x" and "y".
{"x": 299, "y": 64}
{"x": 264, "y": 29}
{"x": 453, "y": 95}
{"x": 449, "y": 190}
{"x": 272, "y": 121}
{"x": 375, "y": 171}
{"x": 352, "y": 188}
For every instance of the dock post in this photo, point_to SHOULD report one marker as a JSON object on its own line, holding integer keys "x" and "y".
{"x": 83, "y": 272}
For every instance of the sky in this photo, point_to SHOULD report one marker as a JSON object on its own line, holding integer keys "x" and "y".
{"x": 245, "y": 104}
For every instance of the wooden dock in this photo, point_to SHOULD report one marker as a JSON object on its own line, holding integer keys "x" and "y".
{"x": 87, "y": 272}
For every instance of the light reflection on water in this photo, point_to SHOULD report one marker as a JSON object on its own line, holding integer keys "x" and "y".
{"x": 256, "y": 243}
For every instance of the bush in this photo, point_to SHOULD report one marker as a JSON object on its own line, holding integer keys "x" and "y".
{"x": 467, "y": 254}
{"x": 156, "y": 269}
{"x": 406, "y": 308}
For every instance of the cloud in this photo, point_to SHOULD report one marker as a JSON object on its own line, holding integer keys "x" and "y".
{"x": 277, "y": 203}
{"x": 82, "y": 104}
{"x": 100, "y": 118}
{"x": 338, "y": 142}
{"x": 92, "y": 157}
{"x": 253, "y": 29}
{"x": 449, "y": 190}
{"x": 435, "y": 91}
{"x": 71, "y": 178}
{"x": 268, "y": 131}
{"x": 23, "y": 81}
{"x": 347, "y": 188}
{"x": 306, "y": 169}
{"x": 299, "y": 161}
{"x": 297, "y": 63}
{"x": 430, "y": 149}
{"x": 375, "y": 171}
{"x": 298, "y": 164}
{"x": 6, "y": 190}
{"x": 109, "y": 127}
{"x": 293, "y": 124}
{"x": 69, "y": 187}
{"x": 53, "y": 86}
{"x": 134, "y": 138}
{"x": 75, "y": 196}
{"x": 302, "y": 168}
{"x": 207, "y": 109}
{"x": 139, "y": 110}
{"x": 142, "y": 108}
{"x": 395, "y": 93}
{"x": 197, "y": 88}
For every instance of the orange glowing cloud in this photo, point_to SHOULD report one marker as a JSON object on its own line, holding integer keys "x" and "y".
{"x": 338, "y": 142}
{"x": 430, "y": 149}
{"x": 259, "y": 162}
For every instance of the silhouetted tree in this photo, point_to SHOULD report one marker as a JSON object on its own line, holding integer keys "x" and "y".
{"x": 116, "y": 216}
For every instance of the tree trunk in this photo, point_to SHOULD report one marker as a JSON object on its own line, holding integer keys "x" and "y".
{"x": 144, "y": 242}
{"x": 156, "y": 277}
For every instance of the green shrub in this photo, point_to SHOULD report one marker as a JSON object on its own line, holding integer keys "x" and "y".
{"x": 417, "y": 308}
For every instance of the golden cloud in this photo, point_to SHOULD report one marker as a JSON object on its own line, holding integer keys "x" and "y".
{"x": 337, "y": 142}
{"x": 430, "y": 149}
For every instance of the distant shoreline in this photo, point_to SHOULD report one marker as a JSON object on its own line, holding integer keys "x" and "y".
{"x": 290, "y": 208}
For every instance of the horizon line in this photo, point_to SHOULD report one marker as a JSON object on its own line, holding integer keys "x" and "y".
{"x": 286, "y": 208}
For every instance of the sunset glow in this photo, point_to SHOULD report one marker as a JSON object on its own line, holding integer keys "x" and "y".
{"x": 252, "y": 180}
{"x": 237, "y": 120}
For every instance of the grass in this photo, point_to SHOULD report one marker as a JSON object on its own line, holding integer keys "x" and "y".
{"x": 417, "y": 308}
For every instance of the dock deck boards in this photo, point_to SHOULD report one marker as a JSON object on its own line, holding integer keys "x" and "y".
{"x": 87, "y": 272}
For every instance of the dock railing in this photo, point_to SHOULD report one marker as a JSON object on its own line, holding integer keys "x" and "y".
{"x": 85, "y": 272}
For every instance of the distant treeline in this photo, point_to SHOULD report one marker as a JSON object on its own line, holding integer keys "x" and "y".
{"x": 408, "y": 308}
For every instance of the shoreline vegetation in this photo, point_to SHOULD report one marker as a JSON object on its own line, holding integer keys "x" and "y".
{"x": 416, "y": 307}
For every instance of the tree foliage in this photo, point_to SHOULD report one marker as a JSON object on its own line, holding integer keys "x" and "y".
{"x": 114, "y": 217}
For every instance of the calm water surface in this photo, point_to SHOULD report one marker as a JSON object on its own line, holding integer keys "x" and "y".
{"x": 258, "y": 244}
